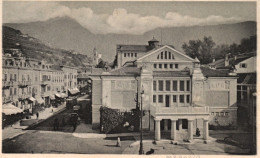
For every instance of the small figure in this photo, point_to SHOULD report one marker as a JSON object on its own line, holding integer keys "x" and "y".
{"x": 118, "y": 143}
{"x": 197, "y": 132}
{"x": 37, "y": 115}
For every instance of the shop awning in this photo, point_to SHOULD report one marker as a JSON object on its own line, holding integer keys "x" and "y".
{"x": 9, "y": 109}
{"x": 52, "y": 97}
{"x": 58, "y": 95}
{"x": 63, "y": 95}
{"x": 39, "y": 100}
{"x": 74, "y": 91}
{"x": 32, "y": 99}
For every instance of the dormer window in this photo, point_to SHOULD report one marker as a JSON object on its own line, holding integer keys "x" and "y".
{"x": 243, "y": 65}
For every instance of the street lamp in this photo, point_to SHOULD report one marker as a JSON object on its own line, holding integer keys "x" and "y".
{"x": 141, "y": 151}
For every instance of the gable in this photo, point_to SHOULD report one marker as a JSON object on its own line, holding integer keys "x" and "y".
{"x": 165, "y": 54}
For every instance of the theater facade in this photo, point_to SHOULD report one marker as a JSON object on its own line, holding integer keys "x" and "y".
{"x": 179, "y": 94}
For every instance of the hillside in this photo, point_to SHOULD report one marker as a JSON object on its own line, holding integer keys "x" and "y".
{"x": 34, "y": 48}
{"x": 66, "y": 33}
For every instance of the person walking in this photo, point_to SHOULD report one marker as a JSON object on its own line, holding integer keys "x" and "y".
{"x": 37, "y": 115}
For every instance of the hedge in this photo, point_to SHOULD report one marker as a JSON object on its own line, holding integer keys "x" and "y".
{"x": 113, "y": 121}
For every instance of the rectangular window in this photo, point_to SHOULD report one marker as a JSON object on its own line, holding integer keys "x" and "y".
{"x": 160, "y": 99}
{"x": 165, "y": 55}
{"x": 174, "y": 85}
{"x": 181, "y": 98}
{"x": 155, "y": 66}
{"x": 14, "y": 91}
{"x": 222, "y": 114}
{"x": 188, "y": 86}
{"x": 187, "y": 98}
{"x": 160, "y": 85}
{"x": 135, "y": 54}
{"x": 217, "y": 113}
{"x": 154, "y": 98}
{"x": 11, "y": 91}
{"x": 160, "y": 66}
{"x": 15, "y": 77}
{"x": 174, "y": 98}
{"x": 5, "y": 79}
{"x": 124, "y": 54}
{"x": 176, "y": 66}
{"x": 154, "y": 85}
{"x": 11, "y": 77}
{"x": 226, "y": 113}
{"x": 165, "y": 66}
{"x": 181, "y": 85}
{"x": 168, "y": 85}
{"x": 132, "y": 54}
{"x": 171, "y": 66}
{"x": 128, "y": 54}
{"x": 243, "y": 65}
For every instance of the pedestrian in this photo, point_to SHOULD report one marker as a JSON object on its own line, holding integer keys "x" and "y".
{"x": 51, "y": 109}
{"x": 37, "y": 115}
{"x": 198, "y": 132}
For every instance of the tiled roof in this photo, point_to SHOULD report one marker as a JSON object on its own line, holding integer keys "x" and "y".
{"x": 126, "y": 71}
{"x": 142, "y": 48}
{"x": 56, "y": 67}
{"x": 97, "y": 71}
{"x": 219, "y": 63}
{"x": 171, "y": 74}
{"x": 207, "y": 72}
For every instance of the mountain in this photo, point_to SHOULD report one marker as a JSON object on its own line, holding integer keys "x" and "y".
{"x": 31, "y": 47}
{"x": 66, "y": 33}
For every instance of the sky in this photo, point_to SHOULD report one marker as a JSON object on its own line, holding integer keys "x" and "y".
{"x": 131, "y": 17}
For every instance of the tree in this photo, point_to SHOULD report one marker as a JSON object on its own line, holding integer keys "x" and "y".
{"x": 101, "y": 64}
{"x": 200, "y": 49}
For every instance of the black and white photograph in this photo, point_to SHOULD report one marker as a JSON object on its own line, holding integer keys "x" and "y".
{"x": 164, "y": 78}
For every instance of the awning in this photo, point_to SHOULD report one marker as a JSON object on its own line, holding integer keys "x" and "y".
{"x": 9, "y": 109}
{"x": 39, "y": 100}
{"x": 61, "y": 95}
{"x": 58, "y": 95}
{"x": 52, "y": 97}
{"x": 32, "y": 99}
{"x": 74, "y": 91}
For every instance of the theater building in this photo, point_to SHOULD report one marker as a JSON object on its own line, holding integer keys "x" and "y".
{"x": 179, "y": 95}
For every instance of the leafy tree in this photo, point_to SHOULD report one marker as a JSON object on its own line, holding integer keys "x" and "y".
{"x": 200, "y": 49}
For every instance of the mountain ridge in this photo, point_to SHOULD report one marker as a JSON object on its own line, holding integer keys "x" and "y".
{"x": 67, "y": 33}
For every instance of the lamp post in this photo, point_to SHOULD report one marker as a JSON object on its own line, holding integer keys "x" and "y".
{"x": 141, "y": 150}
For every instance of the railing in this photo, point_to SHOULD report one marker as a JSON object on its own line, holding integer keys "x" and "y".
{"x": 179, "y": 110}
{"x": 7, "y": 83}
{"x": 45, "y": 82}
{"x": 24, "y": 83}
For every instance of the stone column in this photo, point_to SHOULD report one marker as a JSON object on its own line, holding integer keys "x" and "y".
{"x": 180, "y": 124}
{"x": 173, "y": 129}
{"x": 205, "y": 129}
{"x": 190, "y": 129}
{"x": 165, "y": 125}
{"x": 157, "y": 129}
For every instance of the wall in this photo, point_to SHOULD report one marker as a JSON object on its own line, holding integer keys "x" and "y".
{"x": 251, "y": 66}
{"x": 96, "y": 101}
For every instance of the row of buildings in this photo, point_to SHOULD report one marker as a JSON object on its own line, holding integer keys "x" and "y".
{"x": 26, "y": 82}
{"x": 178, "y": 94}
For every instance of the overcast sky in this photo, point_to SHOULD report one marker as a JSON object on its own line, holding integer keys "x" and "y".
{"x": 131, "y": 17}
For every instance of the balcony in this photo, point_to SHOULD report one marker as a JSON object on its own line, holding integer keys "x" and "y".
{"x": 190, "y": 110}
{"x": 46, "y": 82}
{"x": 23, "y": 96}
{"x": 7, "y": 99}
{"x": 24, "y": 83}
{"x": 7, "y": 84}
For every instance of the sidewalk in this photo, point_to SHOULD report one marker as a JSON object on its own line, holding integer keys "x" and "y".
{"x": 16, "y": 129}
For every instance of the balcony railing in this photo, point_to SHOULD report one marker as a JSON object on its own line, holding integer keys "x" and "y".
{"x": 155, "y": 110}
{"x": 24, "y": 83}
{"x": 45, "y": 82}
{"x": 7, "y": 83}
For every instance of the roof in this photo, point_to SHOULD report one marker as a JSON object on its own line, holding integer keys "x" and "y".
{"x": 153, "y": 40}
{"x": 247, "y": 78}
{"x": 56, "y": 67}
{"x": 83, "y": 75}
{"x": 218, "y": 63}
{"x": 140, "y": 48}
{"x": 238, "y": 60}
{"x": 97, "y": 71}
{"x": 207, "y": 72}
{"x": 171, "y": 74}
{"x": 126, "y": 71}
